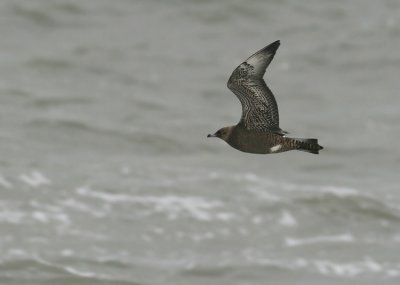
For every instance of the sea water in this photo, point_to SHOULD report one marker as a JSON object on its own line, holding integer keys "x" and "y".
{"x": 106, "y": 174}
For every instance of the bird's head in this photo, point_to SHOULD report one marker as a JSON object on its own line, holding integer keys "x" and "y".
{"x": 222, "y": 133}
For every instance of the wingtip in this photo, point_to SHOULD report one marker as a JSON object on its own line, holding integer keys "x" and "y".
{"x": 266, "y": 51}
{"x": 274, "y": 46}
{"x": 270, "y": 49}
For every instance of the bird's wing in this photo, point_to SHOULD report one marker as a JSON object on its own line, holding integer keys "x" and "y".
{"x": 259, "y": 108}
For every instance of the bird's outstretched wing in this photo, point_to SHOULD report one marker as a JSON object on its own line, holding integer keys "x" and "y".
{"x": 259, "y": 108}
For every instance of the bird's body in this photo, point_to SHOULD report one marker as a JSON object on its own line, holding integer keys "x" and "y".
{"x": 252, "y": 141}
{"x": 258, "y": 130}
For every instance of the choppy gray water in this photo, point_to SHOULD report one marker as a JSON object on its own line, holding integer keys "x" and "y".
{"x": 107, "y": 176}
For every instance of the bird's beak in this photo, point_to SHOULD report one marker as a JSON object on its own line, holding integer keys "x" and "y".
{"x": 211, "y": 136}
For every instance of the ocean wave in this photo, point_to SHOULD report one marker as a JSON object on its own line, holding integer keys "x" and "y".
{"x": 5, "y": 182}
{"x": 67, "y": 124}
{"x": 34, "y": 14}
{"x": 328, "y": 198}
{"x": 51, "y": 101}
{"x": 367, "y": 267}
{"x": 346, "y": 238}
{"x": 196, "y": 207}
{"x": 135, "y": 140}
{"x": 35, "y": 179}
{"x": 22, "y": 267}
{"x": 361, "y": 206}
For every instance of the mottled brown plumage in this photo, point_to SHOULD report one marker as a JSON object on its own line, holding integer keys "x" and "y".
{"x": 258, "y": 130}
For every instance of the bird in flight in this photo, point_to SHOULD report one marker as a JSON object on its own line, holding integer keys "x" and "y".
{"x": 258, "y": 130}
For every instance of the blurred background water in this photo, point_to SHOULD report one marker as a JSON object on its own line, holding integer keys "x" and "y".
{"x": 106, "y": 174}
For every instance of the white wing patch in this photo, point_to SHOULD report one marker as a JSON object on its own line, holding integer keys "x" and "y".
{"x": 276, "y": 148}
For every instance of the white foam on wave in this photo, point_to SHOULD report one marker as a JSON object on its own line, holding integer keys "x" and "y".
{"x": 46, "y": 213}
{"x": 35, "y": 179}
{"x": 80, "y": 273}
{"x": 329, "y": 267}
{"x": 262, "y": 194}
{"x": 264, "y": 182}
{"x": 368, "y": 265}
{"x": 197, "y": 207}
{"x": 16, "y": 252}
{"x": 257, "y": 185}
{"x": 69, "y": 269}
{"x": 11, "y": 216}
{"x": 43, "y": 214}
{"x": 340, "y": 191}
{"x": 40, "y": 216}
{"x": 346, "y": 238}
{"x": 203, "y": 236}
{"x": 82, "y": 207}
{"x": 287, "y": 219}
{"x": 257, "y": 220}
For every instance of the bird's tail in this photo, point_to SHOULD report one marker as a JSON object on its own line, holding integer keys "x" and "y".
{"x": 309, "y": 145}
